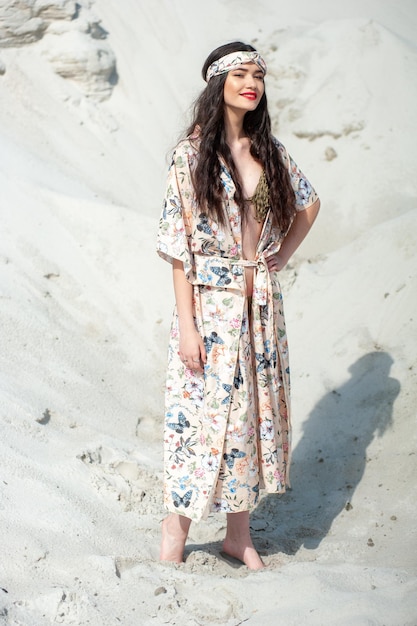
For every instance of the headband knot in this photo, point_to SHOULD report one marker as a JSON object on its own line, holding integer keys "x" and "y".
{"x": 233, "y": 60}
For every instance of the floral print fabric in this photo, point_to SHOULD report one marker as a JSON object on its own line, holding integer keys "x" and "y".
{"x": 227, "y": 431}
{"x": 233, "y": 60}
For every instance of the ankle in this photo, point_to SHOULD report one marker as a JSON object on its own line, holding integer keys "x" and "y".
{"x": 177, "y": 525}
{"x": 174, "y": 535}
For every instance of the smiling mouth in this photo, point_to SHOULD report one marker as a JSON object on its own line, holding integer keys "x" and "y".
{"x": 250, "y": 95}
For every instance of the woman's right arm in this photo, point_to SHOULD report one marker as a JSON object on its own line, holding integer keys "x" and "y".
{"x": 192, "y": 350}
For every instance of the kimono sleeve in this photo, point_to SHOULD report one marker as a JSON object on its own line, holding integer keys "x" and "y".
{"x": 173, "y": 236}
{"x": 305, "y": 194}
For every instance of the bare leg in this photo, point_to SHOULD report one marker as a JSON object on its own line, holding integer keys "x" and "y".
{"x": 238, "y": 542}
{"x": 174, "y": 535}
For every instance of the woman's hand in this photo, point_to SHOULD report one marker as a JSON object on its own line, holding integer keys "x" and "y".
{"x": 275, "y": 262}
{"x": 192, "y": 351}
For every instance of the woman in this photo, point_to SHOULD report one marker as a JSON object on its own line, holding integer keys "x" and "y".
{"x": 236, "y": 209}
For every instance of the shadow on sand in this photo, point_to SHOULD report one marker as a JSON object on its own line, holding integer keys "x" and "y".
{"x": 329, "y": 459}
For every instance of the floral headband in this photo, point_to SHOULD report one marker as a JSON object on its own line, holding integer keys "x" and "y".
{"x": 233, "y": 60}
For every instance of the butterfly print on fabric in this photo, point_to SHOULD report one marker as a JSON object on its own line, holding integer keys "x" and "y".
{"x": 206, "y": 246}
{"x": 212, "y": 338}
{"x": 238, "y": 379}
{"x": 228, "y": 389}
{"x": 230, "y": 458}
{"x": 222, "y": 273}
{"x": 264, "y": 363}
{"x": 184, "y": 500}
{"x": 180, "y": 425}
{"x": 264, "y": 314}
{"x": 204, "y": 226}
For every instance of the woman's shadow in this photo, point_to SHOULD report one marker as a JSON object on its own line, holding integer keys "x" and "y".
{"x": 329, "y": 460}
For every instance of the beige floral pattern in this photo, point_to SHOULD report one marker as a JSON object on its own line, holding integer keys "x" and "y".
{"x": 227, "y": 431}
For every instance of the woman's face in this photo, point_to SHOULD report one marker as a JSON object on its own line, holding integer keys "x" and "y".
{"x": 244, "y": 87}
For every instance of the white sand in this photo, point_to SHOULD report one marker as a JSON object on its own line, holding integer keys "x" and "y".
{"x": 84, "y": 331}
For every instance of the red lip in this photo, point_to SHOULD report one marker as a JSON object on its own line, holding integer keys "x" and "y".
{"x": 250, "y": 95}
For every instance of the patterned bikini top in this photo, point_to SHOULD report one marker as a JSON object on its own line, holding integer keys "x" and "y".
{"x": 260, "y": 198}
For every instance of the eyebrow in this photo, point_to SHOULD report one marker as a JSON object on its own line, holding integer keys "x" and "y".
{"x": 245, "y": 69}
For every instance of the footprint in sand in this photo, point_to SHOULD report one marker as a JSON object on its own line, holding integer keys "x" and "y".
{"x": 124, "y": 479}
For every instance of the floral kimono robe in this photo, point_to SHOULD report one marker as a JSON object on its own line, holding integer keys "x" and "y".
{"x": 227, "y": 431}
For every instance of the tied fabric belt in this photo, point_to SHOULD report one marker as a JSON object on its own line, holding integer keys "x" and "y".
{"x": 215, "y": 271}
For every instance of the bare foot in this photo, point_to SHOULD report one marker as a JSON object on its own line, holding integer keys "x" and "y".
{"x": 238, "y": 542}
{"x": 174, "y": 535}
{"x": 244, "y": 552}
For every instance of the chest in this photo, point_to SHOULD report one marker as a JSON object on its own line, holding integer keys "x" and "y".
{"x": 248, "y": 169}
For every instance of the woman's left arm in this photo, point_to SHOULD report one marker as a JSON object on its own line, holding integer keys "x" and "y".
{"x": 301, "y": 225}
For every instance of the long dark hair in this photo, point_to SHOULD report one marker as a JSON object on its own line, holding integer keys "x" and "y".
{"x": 208, "y": 116}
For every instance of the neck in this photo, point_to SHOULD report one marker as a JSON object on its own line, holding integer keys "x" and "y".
{"x": 233, "y": 125}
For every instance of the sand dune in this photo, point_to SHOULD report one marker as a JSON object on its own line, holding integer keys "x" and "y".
{"x": 84, "y": 330}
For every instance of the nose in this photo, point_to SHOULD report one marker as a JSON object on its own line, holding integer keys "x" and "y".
{"x": 250, "y": 82}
